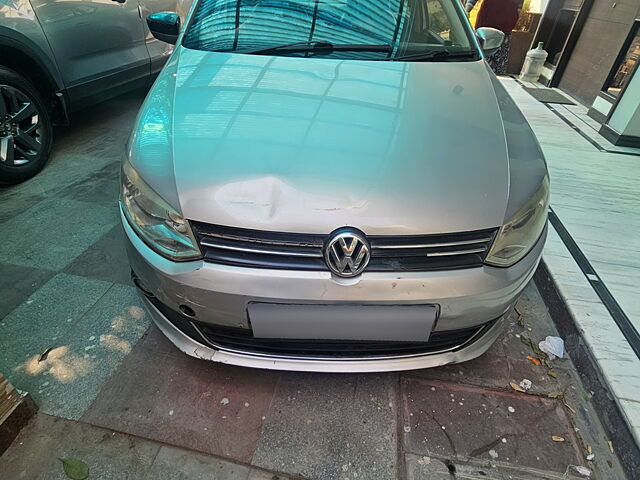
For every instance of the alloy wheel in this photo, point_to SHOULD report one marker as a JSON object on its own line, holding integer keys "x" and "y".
{"x": 21, "y": 131}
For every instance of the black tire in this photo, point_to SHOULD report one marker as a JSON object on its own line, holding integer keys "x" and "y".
{"x": 29, "y": 138}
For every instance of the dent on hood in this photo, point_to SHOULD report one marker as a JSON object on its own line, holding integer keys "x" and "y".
{"x": 262, "y": 199}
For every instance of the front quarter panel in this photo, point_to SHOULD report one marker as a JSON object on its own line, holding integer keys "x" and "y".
{"x": 527, "y": 166}
{"x": 150, "y": 147}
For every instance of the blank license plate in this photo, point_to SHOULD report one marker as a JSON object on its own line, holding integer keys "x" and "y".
{"x": 343, "y": 322}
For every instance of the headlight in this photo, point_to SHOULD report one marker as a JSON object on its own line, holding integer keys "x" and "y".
{"x": 521, "y": 232}
{"x": 154, "y": 220}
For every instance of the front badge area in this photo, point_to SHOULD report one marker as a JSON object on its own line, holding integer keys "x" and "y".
{"x": 347, "y": 253}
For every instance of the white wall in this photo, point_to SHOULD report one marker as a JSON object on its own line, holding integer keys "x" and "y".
{"x": 626, "y": 117}
{"x": 538, "y": 6}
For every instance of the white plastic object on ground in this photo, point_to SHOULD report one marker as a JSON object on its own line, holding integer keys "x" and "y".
{"x": 525, "y": 384}
{"x": 552, "y": 346}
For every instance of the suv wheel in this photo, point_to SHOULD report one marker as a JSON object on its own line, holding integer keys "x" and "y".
{"x": 25, "y": 128}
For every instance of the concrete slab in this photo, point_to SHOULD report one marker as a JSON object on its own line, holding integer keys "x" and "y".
{"x": 52, "y": 233}
{"x": 175, "y": 464}
{"x": 45, "y": 317}
{"x": 506, "y": 360}
{"x": 18, "y": 283}
{"x": 101, "y": 187}
{"x": 433, "y": 468}
{"x": 460, "y": 421}
{"x": 83, "y": 354}
{"x": 104, "y": 260}
{"x": 111, "y": 455}
{"x": 35, "y": 453}
{"x": 14, "y": 203}
{"x": 332, "y": 427}
{"x": 190, "y": 403}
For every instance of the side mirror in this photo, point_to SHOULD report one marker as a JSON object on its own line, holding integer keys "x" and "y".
{"x": 165, "y": 26}
{"x": 490, "y": 39}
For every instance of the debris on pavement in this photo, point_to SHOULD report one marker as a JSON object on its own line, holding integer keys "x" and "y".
{"x": 44, "y": 354}
{"x": 525, "y": 384}
{"x": 610, "y": 446}
{"x": 517, "y": 387}
{"x": 534, "y": 360}
{"x": 75, "y": 469}
{"x": 580, "y": 470}
{"x": 557, "y": 438}
{"x": 552, "y": 373}
{"x": 553, "y": 347}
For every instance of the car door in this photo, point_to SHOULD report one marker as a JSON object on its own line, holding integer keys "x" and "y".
{"x": 159, "y": 51}
{"x": 99, "y": 45}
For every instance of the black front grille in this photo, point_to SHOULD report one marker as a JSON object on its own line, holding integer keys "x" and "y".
{"x": 243, "y": 340}
{"x": 298, "y": 251}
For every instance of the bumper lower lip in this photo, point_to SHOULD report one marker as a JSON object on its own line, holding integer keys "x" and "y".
{"x": 472, "y": 349}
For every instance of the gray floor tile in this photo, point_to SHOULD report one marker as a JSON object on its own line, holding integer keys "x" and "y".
{"x": 84, "y": 357}
{"x": 332, "y": 427}
{"x": 52, "y": 233}
{"x": 35, "y": 453}
{"x": 18, "y": 283}
{"x": 44, "y": 318}
{"x": 175, "y": 464}
{"x": 104, "y": 260}
{"x": 14, "y": 202}
{"x": 100, "y": 187}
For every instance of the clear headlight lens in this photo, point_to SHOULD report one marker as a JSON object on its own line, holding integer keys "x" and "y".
{"x": 154, "y": 220}
{"x": 521, "y": 232}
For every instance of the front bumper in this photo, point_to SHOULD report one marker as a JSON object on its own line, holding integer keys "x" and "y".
{"x": 218, "y": 295}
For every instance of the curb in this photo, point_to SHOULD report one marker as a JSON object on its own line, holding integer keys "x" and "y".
{"x": 15, "y": 412}
{"x": 590, "y": 373}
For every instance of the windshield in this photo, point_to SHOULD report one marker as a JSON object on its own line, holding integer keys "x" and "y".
{"x": 345, "y": 29}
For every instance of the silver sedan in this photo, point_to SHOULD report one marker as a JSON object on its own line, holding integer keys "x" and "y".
{"x": 331, "y": 186}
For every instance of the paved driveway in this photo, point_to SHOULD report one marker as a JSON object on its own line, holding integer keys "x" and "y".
{"x": 65, "y": 286}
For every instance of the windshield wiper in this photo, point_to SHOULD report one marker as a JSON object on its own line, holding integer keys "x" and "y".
{"x": 319, "y": 48}
{"x": 437, "y": 56}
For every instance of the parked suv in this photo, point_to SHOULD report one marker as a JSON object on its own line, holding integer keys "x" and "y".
{"x": 56, "y": 57}
{"x": 331, "y": 185}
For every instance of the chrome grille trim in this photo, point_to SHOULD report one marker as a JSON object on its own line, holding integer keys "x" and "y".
{"x": 298, "y": 251}
{"x": 258, "y": 250}
{"x": 435, "y": 245}
{"x": 459, "y": 252}
{"x": 262, "y": 241}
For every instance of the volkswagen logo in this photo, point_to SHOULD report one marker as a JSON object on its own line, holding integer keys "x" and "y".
{"x": 347, "y": 253}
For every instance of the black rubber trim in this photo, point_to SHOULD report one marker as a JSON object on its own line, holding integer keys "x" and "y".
{"x": 616, "y": 312}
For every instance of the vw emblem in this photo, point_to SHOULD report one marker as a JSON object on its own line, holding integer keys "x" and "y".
{"x": 347, "y": 253}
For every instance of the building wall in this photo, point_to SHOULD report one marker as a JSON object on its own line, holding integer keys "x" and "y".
{"x": 600, "y": 41}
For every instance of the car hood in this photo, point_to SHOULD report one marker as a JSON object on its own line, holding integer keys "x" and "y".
{"x": 310, "y": 145}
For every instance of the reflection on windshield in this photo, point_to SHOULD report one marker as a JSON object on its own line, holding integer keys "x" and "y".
{"x": 408, "y": 26}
